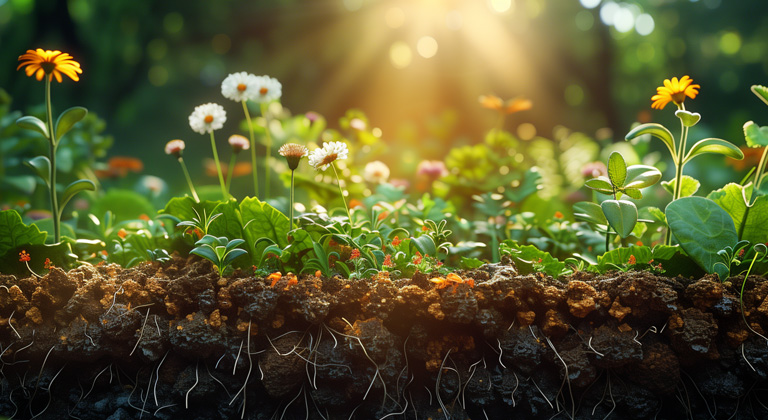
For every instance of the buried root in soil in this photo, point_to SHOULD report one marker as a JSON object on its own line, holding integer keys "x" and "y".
{"x": 174, "y": 339}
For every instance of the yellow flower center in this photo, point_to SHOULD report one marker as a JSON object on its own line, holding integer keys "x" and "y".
{"x": 328, "y": 159}
{"x": 242, "y": 87}
{"x": 263, "y": 91}
{"x": 678, "y": 97}
{"x": 208, "y": 119}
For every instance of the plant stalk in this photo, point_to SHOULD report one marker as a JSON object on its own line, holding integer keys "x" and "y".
{"x": 52, "y": 139}
{"x": 678, "y": 169}
{"x": 343, "y": 200}
{"x": 267, "y": 172}
{"x": 224, "y": 194}
{"x": 290, "y": 210}
{"x": 189, "y": 180}
{"x": 253, "y": 151}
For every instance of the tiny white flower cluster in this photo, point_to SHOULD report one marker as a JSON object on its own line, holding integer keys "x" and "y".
{"x": 247, "y": 87}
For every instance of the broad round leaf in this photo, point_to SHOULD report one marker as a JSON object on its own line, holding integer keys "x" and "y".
{"x": 617, "y": 169}
{"x": 690, "y": 186}
{"x": 720, "y": 146}
{"x": 600, "y": 184}
{"x": 755, "y": 135}
{"x": 642, "y": 176}
{"x": 688, "y": 118}
{"x": 658, "y": 131}
{"x": 68, "y": 119}
{"x": 621, "y": 215}
{"x": 633, "y": 192}
{"x": 702, "y": 228}
{"x": 42, "y": 167}
{"x": 33, "y": 124}
{"x": 591, "y": 212}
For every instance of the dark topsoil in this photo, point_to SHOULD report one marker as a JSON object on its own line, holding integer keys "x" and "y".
{"x": 176, "y": 341}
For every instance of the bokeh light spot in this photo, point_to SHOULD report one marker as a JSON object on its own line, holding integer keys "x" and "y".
{"x": 80, "y": 10}
{"x": 173, "y": 23}
{"x": 646, "y": 52}
{"x": 608, "y": 11}
{"x": 526, "y": 131}
{"x": 730, "y": 43}
{"x": 353, "y": 5}
{"x": 394, "y": 17}
{"x": 157, "y": 75}
{"x": 454, "y": 20}
{"x": 590, "y": 4}
{"x": 500, "y": 6}
{"x": 644, "y": 24}
{"x": 574, "y": 95}
{"x": 157, "y": 49}
{"x": 623, "y": 20}
{"x": 400, "y": 54}
{"x": 427, "y": 46}
{"x": 221, "y": 43}
{"x": 584, "y": 20}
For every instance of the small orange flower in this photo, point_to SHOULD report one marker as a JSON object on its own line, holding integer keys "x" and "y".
{"x": 24, "y": 257}
{"x": 674, "y": 91}
{"x": 509, "y": 107}
{"x": 122, "y": 233}
{"x": 387, "y": 261}
{"x": 144, "y": 217}
{"x": 51, "y": 63}
{"x": 558, "y": 215}
{"x": 632, "y": 260}
{"x": 355, "y": 254}
{"x": 396, "y": 241}
{"x": 318, "y": 273}
{"x": 48, "y": 264}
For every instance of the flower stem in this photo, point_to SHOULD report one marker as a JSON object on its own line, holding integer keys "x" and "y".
{"x": 189, "y": 180}
{"x": 267, "y": 171}
{"x": 52, "y": 139}
{"x": 291, "y": 208}
{"x": 678, "y": 169}
{"x": 253, "y": 151}
{"x": 224, "y": 193}
{"x": 344, "y": 200}
{"x": 230, "y": 170}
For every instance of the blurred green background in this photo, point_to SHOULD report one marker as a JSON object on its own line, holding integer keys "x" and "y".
{"x": 415, "y": 67}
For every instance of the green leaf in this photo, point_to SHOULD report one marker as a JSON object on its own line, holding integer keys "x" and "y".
{"x": 755, "y": 135}
{"x": 617, "y": 169}
{"x": 658, "y": 131}
{"x": 590, "y": 212}
{"x": 633, "y": 193}
{"x": 702, "y": 228}
{"x": 470, "y": 263}
{"x": 42, "y": 167}
{"x": 761, "y": 92}
{"x": 206, "y": 252}
{"x": 642, "y": 176}
{"x": 720, "y": 146}
{"x": 260, "y": 220}
{"x": 13, "y": 232}
{"x": 690, "y": 186}
{"x": 228, "y": 224}
{"x": 60, "y": 255}
{"x": 688, "y": 118}
{"x": 732, "y": 198}
{"x": 46, "y": 225}
{"x": 74, "y": 188}
{"x": 124, "y": 205}
{"x": 620, "y": 256}
{"x": 68, "y": 119}
{"x": 425, "y": 244}
{"x": 600, "y": 184}
{"x": 531, "y": 183}
{"x": 33, "y": 124}
{"x": 621, "y": 215}
{"x": 530, "y": 259}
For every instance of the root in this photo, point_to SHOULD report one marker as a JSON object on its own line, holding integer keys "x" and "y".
{"x": 141, "y": 333}
{"x": 566, "y": 379}
{"x": 186, "y": 396}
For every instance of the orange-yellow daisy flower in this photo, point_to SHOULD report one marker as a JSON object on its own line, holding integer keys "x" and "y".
{"x": 51, "y": 63}
{"x": 674, "y": 91}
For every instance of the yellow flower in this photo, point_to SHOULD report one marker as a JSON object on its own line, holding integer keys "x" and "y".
{"x": 674, "y": 91}
{"x": 51, "y": 63}
{"x": 509, "y": 107}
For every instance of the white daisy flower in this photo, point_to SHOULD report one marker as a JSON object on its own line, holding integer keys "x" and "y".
{"x": 330, "y": 152}
{"x": 238, "y": 143}
{"x": 268, "y": 89}
{"x": 207, "y": 118}
{"x": 175, "y": 147}
{"x": 240, "y": 86}
{"x": 376, "y": 172}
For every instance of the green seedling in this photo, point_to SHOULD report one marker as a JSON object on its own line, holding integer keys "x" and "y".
{"x": 621, "y": 215}
{"x": 220, "y": 251}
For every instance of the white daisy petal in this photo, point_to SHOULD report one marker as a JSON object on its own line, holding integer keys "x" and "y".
{"x": 240, "y": 86}
{"x": 267, "y": 89}
{"x": 321, "y": 158}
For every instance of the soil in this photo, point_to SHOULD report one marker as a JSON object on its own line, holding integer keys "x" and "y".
{"x": 175, "y": 340}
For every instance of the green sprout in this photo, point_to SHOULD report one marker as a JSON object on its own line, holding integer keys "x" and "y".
{"x": 621, "y": 215}
{"x": 219, "y": 250}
